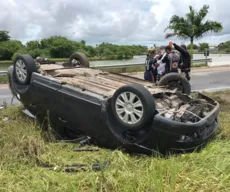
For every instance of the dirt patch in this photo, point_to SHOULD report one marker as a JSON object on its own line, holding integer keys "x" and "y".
{"x": 225, "y": 97}
{"x": 4, "y": 86}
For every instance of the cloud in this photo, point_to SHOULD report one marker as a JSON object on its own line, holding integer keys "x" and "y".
{"x": 122, "y": 22}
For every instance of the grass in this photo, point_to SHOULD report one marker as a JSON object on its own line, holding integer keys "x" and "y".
{"x": 24, "y": 152}
{"x": 3, "y": 79}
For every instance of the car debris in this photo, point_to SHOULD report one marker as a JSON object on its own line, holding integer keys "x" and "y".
{"x": 28, "y": 113}
{"x": 78, "y": 167}
{"x": 182, "y": 108}
{"x": 3, "y": 105}
{"x": 5, "y": 119}
{"x": 86, "y": 150}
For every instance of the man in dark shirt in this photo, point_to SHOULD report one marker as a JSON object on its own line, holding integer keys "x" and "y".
{"x": 186, "y": 59}
{"x": 149, "y": 74}
{"x": 170, "y": 60}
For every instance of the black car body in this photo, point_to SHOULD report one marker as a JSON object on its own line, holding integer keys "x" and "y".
{"x": 93, "y": 114}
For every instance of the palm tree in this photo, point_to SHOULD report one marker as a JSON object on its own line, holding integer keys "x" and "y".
{"x": 192, "y": 26}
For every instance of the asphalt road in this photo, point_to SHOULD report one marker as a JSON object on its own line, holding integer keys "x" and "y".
{"x": 200, "y": 81}
{"x": 210, "y": 81}
{"x": 6, "y": 96}
{"x": 213, "y": 79}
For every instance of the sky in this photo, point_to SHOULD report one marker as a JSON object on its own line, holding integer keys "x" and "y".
{"x": 129, "y": 22}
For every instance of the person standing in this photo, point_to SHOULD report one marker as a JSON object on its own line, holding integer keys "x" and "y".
{"x": 186, "y": 60}
{"x": 149, "y": 66}
{"x": 161, "y": 65}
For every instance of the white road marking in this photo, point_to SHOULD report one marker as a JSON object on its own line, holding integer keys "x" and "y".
{"x": 212, "y": 89}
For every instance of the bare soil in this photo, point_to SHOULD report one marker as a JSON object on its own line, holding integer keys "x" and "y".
{"x": 225, "y": 97}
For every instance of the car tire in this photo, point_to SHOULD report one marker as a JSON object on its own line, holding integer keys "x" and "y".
{"x": 133, "y": 106}
{"x": 172, "y": 80}
{"x": 24, "y": 64}
{"x": 81, "y": 59}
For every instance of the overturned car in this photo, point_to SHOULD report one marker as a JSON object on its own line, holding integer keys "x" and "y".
{"x": 114, "y": 110}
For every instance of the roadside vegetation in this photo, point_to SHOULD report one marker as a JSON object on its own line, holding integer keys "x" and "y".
{"x": 193, "y": 25}
{"x": 28, "y": 156}
{"x": 222, "y": 48}
{"x": 3, "y": 79}
{"x": 61, "y": 47}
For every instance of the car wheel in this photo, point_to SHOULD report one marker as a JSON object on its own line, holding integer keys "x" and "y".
{"x": 175, "y": 81}
{"x": 24, "y": 66}
{"x": 133, "y": 106}
{"x": 78, "y": 59}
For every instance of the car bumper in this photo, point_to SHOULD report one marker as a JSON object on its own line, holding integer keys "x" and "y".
{"x": 185, "y": 137}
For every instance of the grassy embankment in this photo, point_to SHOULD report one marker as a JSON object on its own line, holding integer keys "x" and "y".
{"x": 24, "y": 152}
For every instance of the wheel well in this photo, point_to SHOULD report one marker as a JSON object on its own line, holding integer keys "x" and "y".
{"x": 120, "y": 131}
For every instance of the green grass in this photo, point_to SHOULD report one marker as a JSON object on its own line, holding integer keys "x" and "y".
{"x": 6, "y": 62}
{"x": 3, "y": 79}
{"x": 24, "y": 150}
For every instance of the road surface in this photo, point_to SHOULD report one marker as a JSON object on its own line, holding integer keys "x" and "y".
{"x": 209, "y": 79}
{"x": 6, "y": 96}
{"x": 205, "y": 79}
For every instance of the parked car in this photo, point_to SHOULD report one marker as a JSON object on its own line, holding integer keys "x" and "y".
{"x": 114, "y": 110}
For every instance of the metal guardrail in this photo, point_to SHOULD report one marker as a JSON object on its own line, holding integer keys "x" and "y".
{"x": 129, "y": 65}
{"x": 125, "y": 66}
{"x": 3, "y": 73}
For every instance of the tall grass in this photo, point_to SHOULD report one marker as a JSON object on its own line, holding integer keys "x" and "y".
{"x": 25, "y": 153}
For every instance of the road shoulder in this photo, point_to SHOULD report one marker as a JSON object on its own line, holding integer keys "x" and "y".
{"x": 195, "y": 69}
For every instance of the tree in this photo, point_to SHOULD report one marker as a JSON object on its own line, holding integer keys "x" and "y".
{"x": 4, "y": 36}
{"x": 204, "y": 46}
{"x": 61, "y": 48}
{"x": 91, "y": 51}
{"x": 192, "y": 26}
{"x": 225, "y": 46}
{"x": 8, "y": 48}
{"x": 83, "y": 42}
{"x": 33, "y": 45}
{"x": 194, "y": 46}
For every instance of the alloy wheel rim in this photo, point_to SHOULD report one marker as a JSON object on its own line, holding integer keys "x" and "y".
{"x": 129, "y": 108}
{"x": 21, "y": 71}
